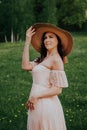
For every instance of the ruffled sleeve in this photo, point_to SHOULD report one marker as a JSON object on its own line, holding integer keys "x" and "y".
{"x": 58, "y": 78}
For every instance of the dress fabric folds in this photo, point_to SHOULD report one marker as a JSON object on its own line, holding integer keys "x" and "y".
{"x": 48, "y": 113}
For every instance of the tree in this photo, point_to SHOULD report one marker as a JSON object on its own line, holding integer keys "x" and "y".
{"x": 38, "y": 9}
{"x": 71, "y": 12}
{"x": 46, "y": 11}
{"x": 5, "y": 15}
{"x": 23, "y": 17}
{"x": 28, "y": 17}
{"x": 16, "y": 16}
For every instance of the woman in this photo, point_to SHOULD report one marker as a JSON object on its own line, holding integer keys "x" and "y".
{"x": 54, "y": 44}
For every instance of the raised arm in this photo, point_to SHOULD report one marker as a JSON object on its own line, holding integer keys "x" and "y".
{"x": 26, "y": 64}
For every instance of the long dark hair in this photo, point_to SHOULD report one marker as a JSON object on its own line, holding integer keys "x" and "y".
{"x": 44, "y": 50}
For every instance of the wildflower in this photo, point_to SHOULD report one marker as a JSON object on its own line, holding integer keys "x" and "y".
{"x": 22, "y": 104}
{"x": 10, "y": 121}
{"x": 16, "y": 116}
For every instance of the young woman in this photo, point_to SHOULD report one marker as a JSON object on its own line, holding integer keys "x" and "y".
{"x": 54, "y": 44}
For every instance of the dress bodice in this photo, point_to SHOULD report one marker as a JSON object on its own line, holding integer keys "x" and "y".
{"x": 41, "y": 75}
{"x": 44, "y": 78}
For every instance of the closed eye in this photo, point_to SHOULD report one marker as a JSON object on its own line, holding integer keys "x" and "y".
{"x": 50, "y": 37}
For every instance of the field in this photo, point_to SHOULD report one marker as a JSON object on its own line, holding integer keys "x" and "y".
{"x": 15, "y": 85}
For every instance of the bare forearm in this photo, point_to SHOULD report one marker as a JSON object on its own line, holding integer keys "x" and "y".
{"x": 51, "y": 92}
{"x": 26, "y": 65}
{"x": 25, "y": 57}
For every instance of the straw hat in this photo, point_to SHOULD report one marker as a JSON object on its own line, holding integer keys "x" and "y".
{"x": 65, "y": 36}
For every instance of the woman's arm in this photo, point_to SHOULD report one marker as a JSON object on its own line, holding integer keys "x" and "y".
{"x": 44, "y": 94}
{"x": 26, "y": 64}
{"x": 48, "y": 93}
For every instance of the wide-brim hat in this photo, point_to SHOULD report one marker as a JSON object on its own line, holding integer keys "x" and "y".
{"x": 41, "y": 28}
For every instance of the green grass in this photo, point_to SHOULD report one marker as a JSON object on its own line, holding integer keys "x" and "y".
{"x": 15, "y": 85}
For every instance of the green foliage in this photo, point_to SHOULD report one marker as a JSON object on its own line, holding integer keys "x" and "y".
{"x": 44, "y": 12}
{"x": 49, "y": 11}
{"x": 38, "y": 7}
{"x": 72, "y": 12}
{"x": 27, "y": 17}
{"x": 17, "y": 15}
{"x": 15, "y": 85}
{"x": 5, "y": 15}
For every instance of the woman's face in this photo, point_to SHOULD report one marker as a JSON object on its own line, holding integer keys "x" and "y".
{"x": 50, "y": 41}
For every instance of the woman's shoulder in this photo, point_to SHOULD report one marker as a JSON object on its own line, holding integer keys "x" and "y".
{"x": 57, "y": 62}
{"x": 56, "y": 59}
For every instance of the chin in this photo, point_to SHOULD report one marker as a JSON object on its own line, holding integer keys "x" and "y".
{"x": 50, "y": 48}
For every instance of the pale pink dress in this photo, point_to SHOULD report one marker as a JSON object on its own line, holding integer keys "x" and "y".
{"x": 48, "y": 113}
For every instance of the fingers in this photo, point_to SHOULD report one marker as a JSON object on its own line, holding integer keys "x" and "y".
{"x": 30, "y": 31}
{"x": 33, "y": 100}
{"x": 30, "y": 105}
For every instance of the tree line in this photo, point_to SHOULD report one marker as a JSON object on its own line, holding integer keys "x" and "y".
{"x": 17, "y": 15}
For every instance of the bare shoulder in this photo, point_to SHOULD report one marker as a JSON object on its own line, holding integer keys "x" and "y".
{"x": 57, "y": 63}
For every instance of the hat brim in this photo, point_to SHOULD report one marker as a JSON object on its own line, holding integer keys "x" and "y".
{"x": 41, "y": 28}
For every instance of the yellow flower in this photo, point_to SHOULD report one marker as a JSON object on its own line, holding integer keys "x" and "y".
{"x": 10, "y": 121}
{"x": 22, "y": 104}
{"x": 16, "y": 116}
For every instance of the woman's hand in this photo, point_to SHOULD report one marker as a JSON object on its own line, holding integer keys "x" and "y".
{"x": 34, "y": 100}
{"x": 31, "y": 103}
{"x": 29, "y": 33}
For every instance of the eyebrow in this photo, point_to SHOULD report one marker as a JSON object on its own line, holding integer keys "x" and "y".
{"x": 49, "y": 35}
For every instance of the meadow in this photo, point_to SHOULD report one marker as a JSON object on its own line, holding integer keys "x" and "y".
{"x": 15, "y": 85}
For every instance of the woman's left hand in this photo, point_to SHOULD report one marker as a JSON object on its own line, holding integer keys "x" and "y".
{"x": 31, "y": 103}
{"x": 34, "y": 100}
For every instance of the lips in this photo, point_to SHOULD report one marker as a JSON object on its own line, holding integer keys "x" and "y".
{"x": 48, "y": 43}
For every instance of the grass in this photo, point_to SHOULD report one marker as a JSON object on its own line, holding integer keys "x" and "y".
{"x": 15, "y": 85}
